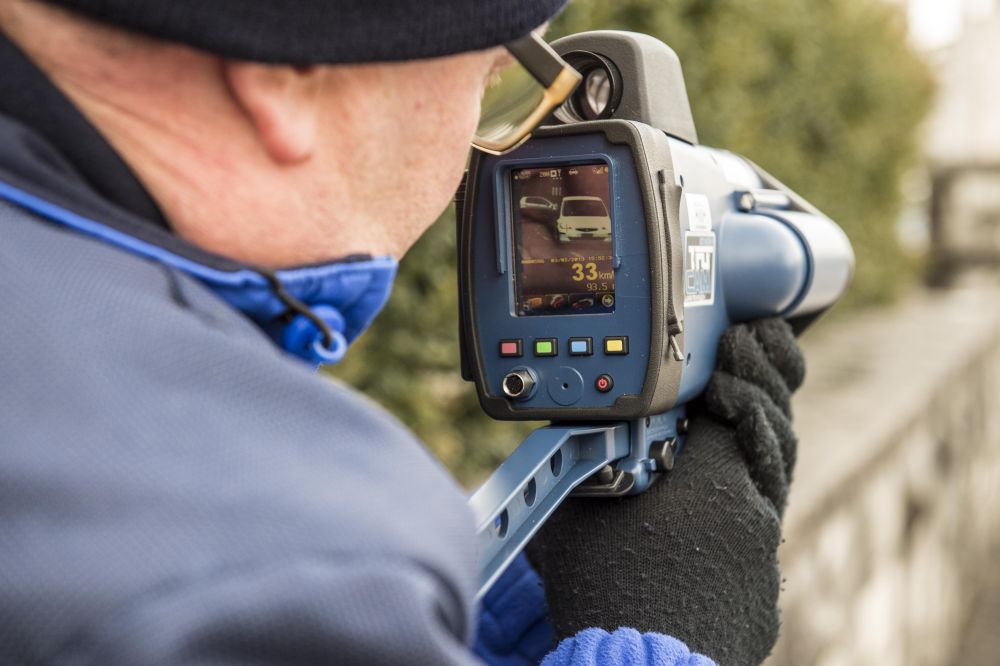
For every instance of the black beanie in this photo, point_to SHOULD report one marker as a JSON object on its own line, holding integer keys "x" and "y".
{"x": 326, "y": 31}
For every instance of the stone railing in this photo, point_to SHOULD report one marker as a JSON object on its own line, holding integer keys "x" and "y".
{"x": 895, "y": 509}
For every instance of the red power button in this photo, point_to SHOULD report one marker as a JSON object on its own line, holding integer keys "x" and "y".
{"x": 604, "y": 383}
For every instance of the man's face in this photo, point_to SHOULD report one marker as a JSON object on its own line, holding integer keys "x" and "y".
{"x": 408, "y": 129}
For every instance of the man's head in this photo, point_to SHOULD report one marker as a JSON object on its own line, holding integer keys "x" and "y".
{"x": 273, "y": 164}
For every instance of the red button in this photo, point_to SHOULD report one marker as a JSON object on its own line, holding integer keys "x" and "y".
{"x": 604, "y": 383}
{"x": 510, "y": 348}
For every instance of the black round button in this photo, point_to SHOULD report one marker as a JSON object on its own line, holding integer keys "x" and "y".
{"x": 604, "y": 383}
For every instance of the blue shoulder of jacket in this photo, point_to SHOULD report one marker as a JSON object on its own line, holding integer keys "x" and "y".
{"x": 159, "y": 440}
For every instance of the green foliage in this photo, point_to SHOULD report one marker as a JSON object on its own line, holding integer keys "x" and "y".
{"x": 826, "y": 95}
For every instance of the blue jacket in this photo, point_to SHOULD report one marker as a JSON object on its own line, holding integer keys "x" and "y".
{"x": 175, "y": 488}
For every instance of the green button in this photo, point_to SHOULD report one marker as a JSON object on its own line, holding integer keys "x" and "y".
{"x": 545, "y": 347}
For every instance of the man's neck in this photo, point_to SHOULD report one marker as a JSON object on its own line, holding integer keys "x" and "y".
{"x": 27, "y": 95}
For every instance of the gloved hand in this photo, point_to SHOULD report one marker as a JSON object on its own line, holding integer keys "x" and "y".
{"x": 694, "y": 557}
{"x": 513, "y": 623}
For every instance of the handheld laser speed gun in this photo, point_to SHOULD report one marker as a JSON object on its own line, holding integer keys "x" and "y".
{"x": 599, "y": 264}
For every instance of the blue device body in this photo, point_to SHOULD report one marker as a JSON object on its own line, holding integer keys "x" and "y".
{"x": 690, "y": 253}
{"x": 565, "y": 381}
{"x": 670, "y": 303}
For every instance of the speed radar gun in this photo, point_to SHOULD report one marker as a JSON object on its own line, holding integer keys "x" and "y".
{"x": 600, "y": 263}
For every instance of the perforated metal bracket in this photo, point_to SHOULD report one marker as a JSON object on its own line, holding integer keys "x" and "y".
{"x": 529, "y": 485}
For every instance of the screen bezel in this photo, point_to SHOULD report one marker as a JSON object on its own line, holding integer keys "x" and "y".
{"x": 641, "y": 160}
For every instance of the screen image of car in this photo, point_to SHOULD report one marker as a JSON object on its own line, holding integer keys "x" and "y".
{"x": 539, "y": 209}
{"x": 583, "y": 217}
{"x": 562, "y": 233}
{"x": 538, "y": 203}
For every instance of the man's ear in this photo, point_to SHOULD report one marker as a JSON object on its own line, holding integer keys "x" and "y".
{"x": 281, "y": 102}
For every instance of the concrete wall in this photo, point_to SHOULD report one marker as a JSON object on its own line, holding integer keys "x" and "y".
{"x": 895, "y": 511}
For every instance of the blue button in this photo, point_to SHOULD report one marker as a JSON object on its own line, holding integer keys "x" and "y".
{"x": 581, "y": 346}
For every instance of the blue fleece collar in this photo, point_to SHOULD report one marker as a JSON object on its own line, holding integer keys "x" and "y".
{"x": 345, "y": 295}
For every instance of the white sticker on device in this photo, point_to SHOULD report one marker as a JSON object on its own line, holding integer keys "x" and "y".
{"x": 699, "y": 268}
{"x": 699, "y": 212}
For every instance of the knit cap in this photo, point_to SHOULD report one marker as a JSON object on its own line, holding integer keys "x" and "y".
{"x": 306, "y": 32}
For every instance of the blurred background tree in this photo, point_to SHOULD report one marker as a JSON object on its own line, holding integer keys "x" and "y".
{"x": 826, "y": 95}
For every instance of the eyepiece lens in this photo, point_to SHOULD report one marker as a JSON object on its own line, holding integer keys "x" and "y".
{"x": 598, "y": 95}
{"x": 597, "y": 91}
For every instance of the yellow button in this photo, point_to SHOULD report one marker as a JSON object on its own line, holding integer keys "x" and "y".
{"x": 615, "y": 345}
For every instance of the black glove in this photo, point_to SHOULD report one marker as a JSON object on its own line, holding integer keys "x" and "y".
{"x": 694, "y": 557}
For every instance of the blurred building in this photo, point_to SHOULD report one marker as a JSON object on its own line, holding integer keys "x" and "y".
{"x": 963, "y": 150}
{"x": 893, "y": 527}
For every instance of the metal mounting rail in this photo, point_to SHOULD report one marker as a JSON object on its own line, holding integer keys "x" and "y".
{"x": 524, "y": 491}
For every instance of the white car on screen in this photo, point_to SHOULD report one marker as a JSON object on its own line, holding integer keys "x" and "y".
{"x": 583, "y": 217}
{"x": 538, "y": 203}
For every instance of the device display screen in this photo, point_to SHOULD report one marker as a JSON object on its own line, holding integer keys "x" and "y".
{"x": 562, "y": 240}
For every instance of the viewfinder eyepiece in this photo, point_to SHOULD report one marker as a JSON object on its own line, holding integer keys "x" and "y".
{"x": 599, "y": 94}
